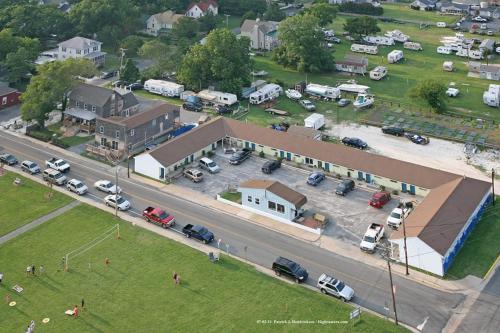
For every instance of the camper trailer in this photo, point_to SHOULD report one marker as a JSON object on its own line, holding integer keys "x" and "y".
{"x": 476, "y": 54}
{"x": 322, "y": 91}
{"x": 395, "y": 56}
{"x": 462, "y": 53}
{"x": 378, "y": 73}
{"x": 218, "y": 97}
{"x": 397, "y": 36}
{"x": 266, "y": 93}
{"x": 443, "y": 50}
{"x": 379, "y": 40}
{"x": 369, "y": 49}
{"x": 491, "y": 97}
{"x": 448, "y": 66}
{"x": 315, "y": 121}
{"x": 412, "y": 46}
{"x": 165, "y": 88}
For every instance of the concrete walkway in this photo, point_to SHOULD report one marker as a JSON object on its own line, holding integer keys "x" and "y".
{"x": 38, "y": 221}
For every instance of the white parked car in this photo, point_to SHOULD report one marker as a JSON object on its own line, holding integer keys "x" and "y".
{"x": 337, "y": 288}
{"x": 114, "y": 200}
{"x": 293, "y": 94}
{"x": 106, "y": 186}
{"x": 479, "y": 19}
{"x": 30, "y": 167}
{"x": 398, "y": 214}
{"x": 452, "y": 92}
{"x": 74, "y": 185}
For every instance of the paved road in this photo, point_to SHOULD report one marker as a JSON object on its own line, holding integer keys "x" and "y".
{"x": 415, "y": 302}
{"x": 10, "y": 112}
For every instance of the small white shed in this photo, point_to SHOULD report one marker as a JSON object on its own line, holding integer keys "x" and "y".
{"x": 315, "y": 121}
{"x": 448, "y": 66}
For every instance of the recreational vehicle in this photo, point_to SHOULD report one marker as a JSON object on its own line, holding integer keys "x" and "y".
{"x": 266, "y": 93}
{"x": 448, "y": 66}
{"x": 378, "y": 73}
{"x": 369, "y": 49}
{"x": 218, "y": 97}
{"x": 491, "y": 97}
{"x": 395, "y": 56}
{"x": 353, "y": 88}
{"x": 398, "y": 36}
{"x": 443, "y": 50}
{"x": 164, "y": 88}
{"x": 412, "y": 46}
{"x": 379, "y": 40}
{"x": 322, "y": 91}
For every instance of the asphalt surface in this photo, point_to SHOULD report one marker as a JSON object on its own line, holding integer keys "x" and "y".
{"x": 416, "y": 303}
{"x": 10, "y": 112}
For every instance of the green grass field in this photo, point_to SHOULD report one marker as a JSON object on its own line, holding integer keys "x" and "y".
{"x": 22, "y": 204}
{"x": 481, "y": 248}
{"x": 136, "y": 293}
{"x": 402, "y": 11}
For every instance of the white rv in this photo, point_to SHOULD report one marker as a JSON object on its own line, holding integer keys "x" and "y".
{"x": 395, "y": 56}
{"x": 476, "y": 54}
{"x": 369, "y": 49}
{"x": 315, "y": 121}
{"x": 448, "y": 66}
{"x": 164, "y": 88}
{"x": 378, "y": 73}
{"x": 443, "y": 50}
{"x": 379, "y": 40}
{"x": 462, "y": 53}
{"x": 218, "y": 97}
{"x": 398, "y": 36}
{"x": 266, "y": 93}
{"x": 491, "y": 97}
{"x": 412, "y": 46}
{"x": 322, "y": 91}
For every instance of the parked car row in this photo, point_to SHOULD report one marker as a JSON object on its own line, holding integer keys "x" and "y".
{"x": 399, "y": 131}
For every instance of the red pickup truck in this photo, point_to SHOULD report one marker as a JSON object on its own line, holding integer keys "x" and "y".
{"x": 379, "y": 199}
{"x": 158, "y": 216}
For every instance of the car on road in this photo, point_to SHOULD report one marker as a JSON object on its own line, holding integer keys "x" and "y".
{"x": 194, "y": 175}
{"x": 418, "y": 139}
{"x": 199, "y": 232}
{"x": 283, "y": 266}
{"x": 77, "y": 186}
{"x": 345, "y": 187}
{"x": 223, "y": 109}
{"x": 30, "y": 167}
{"x": 158, "y": 216}
{"x": 315, "y": 178}
{"x": 343, "y": 102}
{"x": 209, "y": 165}
{"x": 8, "y": 159}
{"x": 270, "y": 166}
{"x": 331, "y": 286}
{"x": 54, "y": 177}
{"x": 107, "y": 186}
{"x": 393, "y": 130}
{"x": 307, "y": 104}
{"x": 239, "y": 156}
{"x": 379, "y": 199}
{"x": 114, "y": 201}
{"x": 354, "y": 142}
{"x": 108, "y": 74}
{"x": 479, "y": 19}
{"x": 57, "y": 164}
{"x": 135, "y": 86}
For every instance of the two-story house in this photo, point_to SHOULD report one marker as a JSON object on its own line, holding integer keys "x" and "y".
{"x": 80, "y": 47}
{"x": 161, "y": 22}
{"x": 87, "y": 102}
{"x": 130, "y": 134}
{"x": 263, "y": 35}
{"x": 202, "y": 8}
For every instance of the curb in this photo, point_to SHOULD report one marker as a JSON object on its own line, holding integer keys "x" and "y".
{"x": 492, "y": 267}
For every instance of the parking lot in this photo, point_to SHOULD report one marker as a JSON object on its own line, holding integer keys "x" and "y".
{"x": 349, "y": 216}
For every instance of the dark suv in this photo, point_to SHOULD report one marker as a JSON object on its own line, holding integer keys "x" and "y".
{"x": 270, "y": 166}
{"x": 240, "y": 155}
{"x": 346, "y": 186}
{"x": 354, "y": 142}
{"x": 393, "y": 130}
{"x": 290, "y": 268}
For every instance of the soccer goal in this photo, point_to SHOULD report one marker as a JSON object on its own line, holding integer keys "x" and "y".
{"x": 113, "y": 231}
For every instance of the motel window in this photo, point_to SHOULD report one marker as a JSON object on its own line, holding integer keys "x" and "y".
{"x": 78, "y": 51}
{"x": 132, "y": 132}
{"x": 101, "y": 129}
{"x": 257, "y": 201}
{"x": 271, "y": 205}
{"x": 127, "y": 113}
{"x": 94, "y": 109}
{"x": 281, "y": 209}
{"x": 309, "y": 160}
{"x": 249, "y": 199}
{"x": 77, "y": 104}
{"x": 154, "y": 122}
{"x": 84, "y": 106}
{"x": 117, "y": 134}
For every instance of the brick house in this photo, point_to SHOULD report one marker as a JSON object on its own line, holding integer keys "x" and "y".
{"x": 8, "y": 97}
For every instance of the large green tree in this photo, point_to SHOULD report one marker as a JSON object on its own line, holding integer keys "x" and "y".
{"x": 432, "y": 91}
{"x": 361, "y": 26}
{"x": 19, "y": 64}
{"x": 185, "y": 28}
{"x": 324, "y": 12}
{"x": 302, "y": 45}
{"x": 223, "y": 61}
{"x": 240, "y": 7}
{"x": 50, "y": 86}
{"x": 273, "y": 13}
{"x": 130, "y": 72}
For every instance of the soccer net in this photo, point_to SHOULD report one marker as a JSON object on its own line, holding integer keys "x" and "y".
{"x": 113, "y": 231}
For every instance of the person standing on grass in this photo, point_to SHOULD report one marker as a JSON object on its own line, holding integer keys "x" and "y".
{"x": 28, "y": 270}
{"x": 42, "y": 269}
{"x": 178, "y": 279}
{"x": 83, "y": 304}
{"x": 1, "y": 277}
{"x": 174, "y": 276}
{"x": 75, "y": 311}
{"x": 106, "y": 262}
{"x": 33, "y": 268}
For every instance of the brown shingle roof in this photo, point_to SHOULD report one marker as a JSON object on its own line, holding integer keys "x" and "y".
{"x": 440, "y": 217}
{"x": 145, "y": 116}
{"x": 282, "y": 191}
{"x": 307, "y": 132}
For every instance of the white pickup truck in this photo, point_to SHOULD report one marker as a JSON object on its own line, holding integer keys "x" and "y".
{"x": 372, "y": 237}
{"x": 398, "y": 214}
{"x": 57, "y": 164}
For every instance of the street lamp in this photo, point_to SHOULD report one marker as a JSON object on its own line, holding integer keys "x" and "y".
{"x": 227, "y": 20}
{"x": 116, "y": 190}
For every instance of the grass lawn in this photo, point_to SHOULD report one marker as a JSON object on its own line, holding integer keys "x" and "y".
{"x": 22, "y": 204}
{"x": 70, "y": 141}
{"x": 481, "y": 248}
{"x": 231, "y": 196}
{"x": 136, "y": 292}
{"x": 402, "y": 11}
{"x": 144, "y": 93}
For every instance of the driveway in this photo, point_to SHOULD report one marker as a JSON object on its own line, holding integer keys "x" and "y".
{"x": 10, "y": 113}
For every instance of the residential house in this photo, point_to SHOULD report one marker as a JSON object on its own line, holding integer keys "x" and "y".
{"x": 426, "y": 5}
{"x": 87, "y": 102}
{"x": 131, "y": 134}
{"x": 161, "y": 22}
{"x": 76, "y": 47}
{"x": 263, "y": 35}
{"x": 272, "y": 198}
{"x": 352, "y": 64}
{"x": 490, "y": 72}
{"x": 450, "y": 8}
{"x": 487, "y": 44}
{"x": 202, "y": 8}
{"x": 8, "y": 97}
{"x": 490, "y": 12}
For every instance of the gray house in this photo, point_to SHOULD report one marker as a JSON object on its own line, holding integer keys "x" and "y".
{"x": 487, "y": 44}
{"x": 450, "y": 8}
{"x": 352, "y": 64}
{"x": 161, "y": 22}
{"x": 263, "y": 35}
{"x": 132, "y": 133}
{"x": 484, "y": 71}
{"x": 272, "y": 197}
{"x": 427, "y": 5}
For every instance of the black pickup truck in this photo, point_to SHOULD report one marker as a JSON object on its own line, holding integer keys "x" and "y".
{"x": 199, "y": 232}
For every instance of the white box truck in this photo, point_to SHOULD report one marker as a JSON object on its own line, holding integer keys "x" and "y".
{"x": 164, "y": 88}
{"x": 315, "y": 121}
{"x": 378, "y": 73}
{"x": 266, "y": 93}
{"x": 322, "y": 91}
{"x": 412, "y": 46}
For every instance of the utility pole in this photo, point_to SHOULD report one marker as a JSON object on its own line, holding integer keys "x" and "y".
{"x": 227, "y": 20}
{"x": 493, "y": 184}
{"x": 122, "y": 51}
{"x": 116, "y": 191}
{"x": 404, "y": 237}
{"x": 392, "y": 289}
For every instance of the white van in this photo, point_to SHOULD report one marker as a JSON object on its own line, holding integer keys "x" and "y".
{"x": 441, "y": 24}
{"x": 209, "y": 165}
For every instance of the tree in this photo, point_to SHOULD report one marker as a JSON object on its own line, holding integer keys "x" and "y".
{"x": 240, "y": 7}
{"x": 132, "y": 44}
{"x": 324, "y": 12}
{"x": 432, "y": 91}
{"x": 222, "y": 60}
{"x": 361, "y": 26}
{"x": 130, "y": 72}
{"x": 19, "y": 64}
{"x": 302, "y": 46}
{"x": 273, "y": 13}
{"x": 185, "y": 27}
{"x": 50, "y": 86}
{"x": 165, "y": 58}
{"x": 250, "y": 15}
{"x": 208, "y": 22}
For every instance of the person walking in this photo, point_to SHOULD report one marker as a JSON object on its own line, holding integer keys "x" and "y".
{"x": 1, "y": 277}
{"x": 178, "y": 279}
{"x": 28, "y": 270}
{"x": 83, "y": 304}
{"x": 106, "y": 261}
{"x": 75, "y": 311}
{"x": 174, "y": 276}
{"x": 42, "y": 269}
{"x": 33, "y": 268}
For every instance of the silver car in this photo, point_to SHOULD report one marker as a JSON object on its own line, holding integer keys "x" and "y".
{"x": 329, "y": 285}
{"x": 30, "y": 167}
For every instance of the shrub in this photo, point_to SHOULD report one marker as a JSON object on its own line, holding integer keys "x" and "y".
{"x": 395, "y": 192}
{"x": 261, "y": 154}
{"x": 42, "y": 136}
{"x": 59, "y": 143}
{"x": 382, "y": 187}
{"x": 210, "y": 153}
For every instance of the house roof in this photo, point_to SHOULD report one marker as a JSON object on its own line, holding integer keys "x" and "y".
{"x": 203, "y": 5}
{"x": 129, "y": 98}
{"x": 493, "y": 68}
{"x": 79, "y": 43}
{"x": 264, "y": 26}
{"x": 306, "y": 132}
{"x": 167, "y": 17}
{"x": 443, "y": 213}
{"x": 353, "y": 60}
{"x": 98, "y": 95}
{"x": 81, "y": 114}
{"x": 5, "y": 90}
{"x": 277, "y": 188}
{"x": 146, "y": 116}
